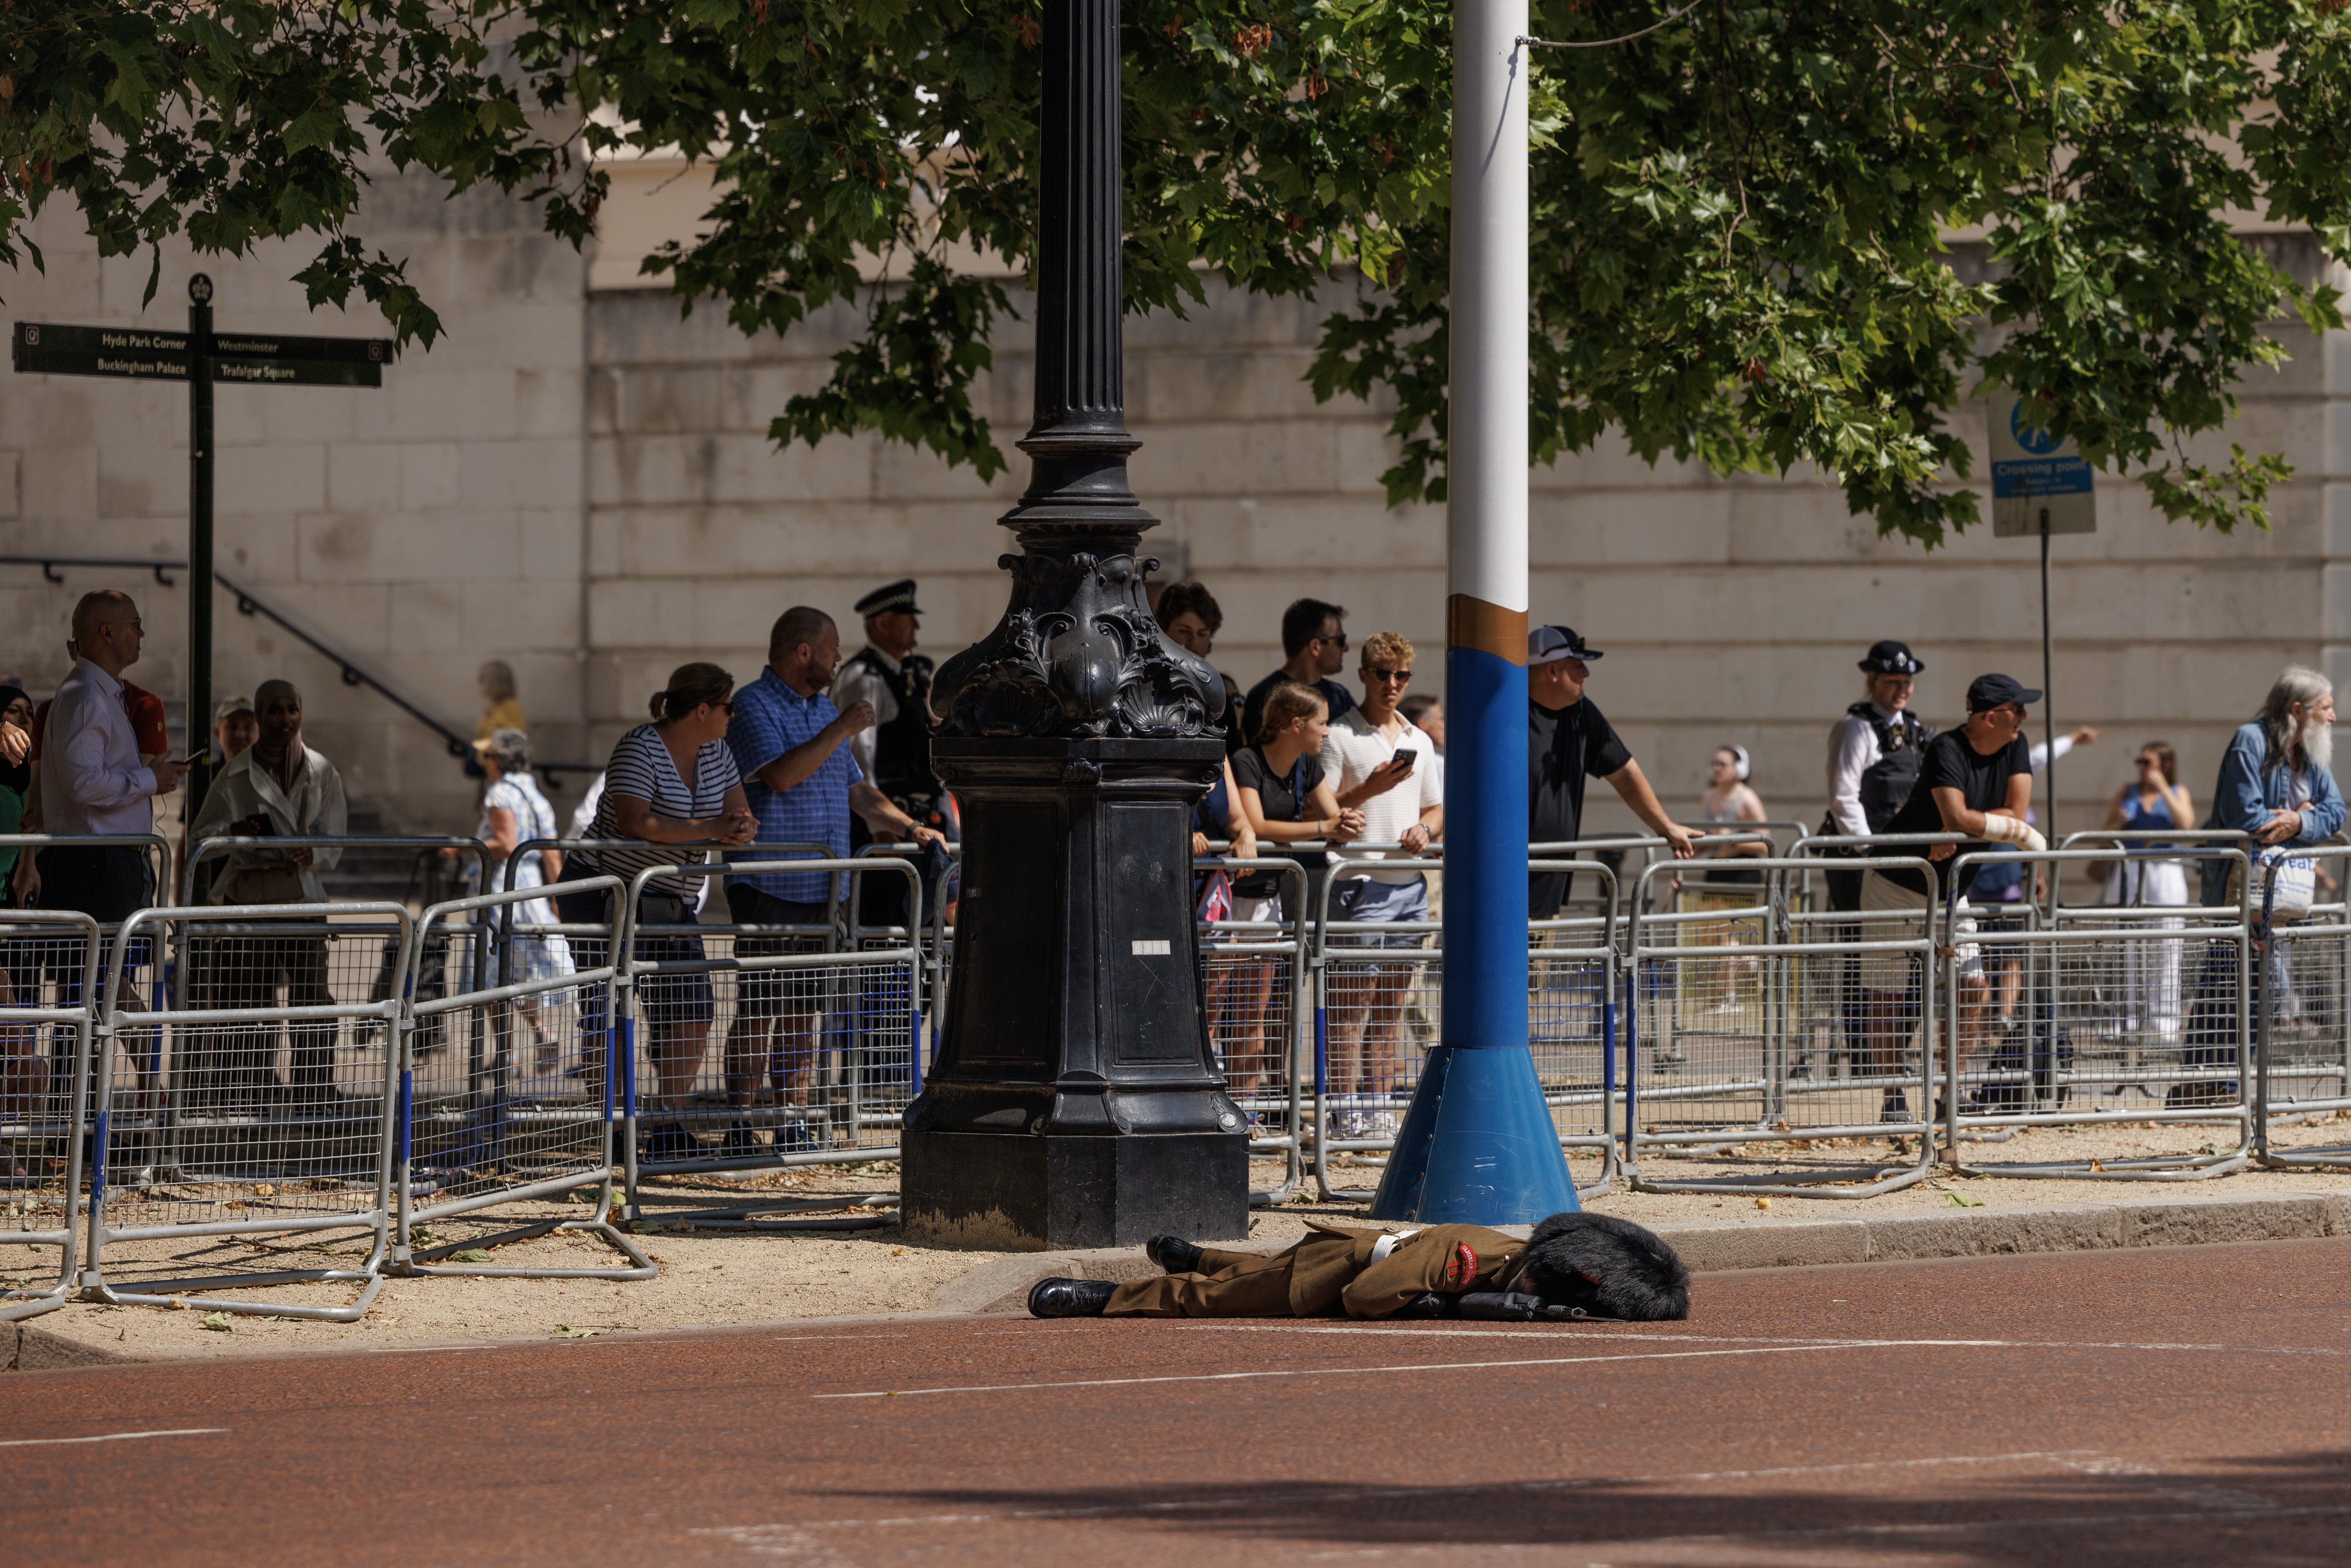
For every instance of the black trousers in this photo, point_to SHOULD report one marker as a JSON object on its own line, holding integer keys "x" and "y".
{"x": 106, "y": 881}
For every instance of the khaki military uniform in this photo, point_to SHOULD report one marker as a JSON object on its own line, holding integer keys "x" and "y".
{"x": 1333, "y": 1267}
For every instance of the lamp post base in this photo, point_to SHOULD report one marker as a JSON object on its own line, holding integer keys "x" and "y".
{"x": 1022, "y": 1193}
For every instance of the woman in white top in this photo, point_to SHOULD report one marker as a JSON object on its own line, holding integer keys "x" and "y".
{"x": 514, "y": 812}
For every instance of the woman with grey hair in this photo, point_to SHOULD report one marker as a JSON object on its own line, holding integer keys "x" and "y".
{"x": 514, "y": 812}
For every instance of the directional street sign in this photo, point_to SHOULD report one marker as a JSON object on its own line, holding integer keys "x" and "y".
{"x": 2033, "y": 474}
{"x": 200, "y": 357}
{"x": 47, "y": 348}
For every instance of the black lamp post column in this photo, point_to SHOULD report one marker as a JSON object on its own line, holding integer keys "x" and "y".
{"x": 1076, "y": 1101}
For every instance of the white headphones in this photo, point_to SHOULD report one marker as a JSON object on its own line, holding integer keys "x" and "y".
{"x": 1741, "y": 765}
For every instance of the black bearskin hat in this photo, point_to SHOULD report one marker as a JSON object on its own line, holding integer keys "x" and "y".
{"x": 1609, "y": 1267}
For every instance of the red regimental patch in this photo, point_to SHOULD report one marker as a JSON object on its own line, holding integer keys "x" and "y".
{"x": 1461, "y": 1268}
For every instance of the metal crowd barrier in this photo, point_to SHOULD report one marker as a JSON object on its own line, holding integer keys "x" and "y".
{"x": 532, "y": 1115}
{"x": 1365, "y": 1075}
{"x": 1378, "y": 1007}
{"x": 2126, "y": 1015}
{"x": 2302, "y": 1042}
{"x": 212, "y": 1122}
{"x": 1252, "y": 975}
{"x": 48, "y": 969}
{"x": 1573, "y": 1027}
{"x": 833, "y": 1033}
{"x": 1746, "y": 1028}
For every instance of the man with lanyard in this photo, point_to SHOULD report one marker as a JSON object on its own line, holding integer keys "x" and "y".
{"x": 1976, "y": 780}
{"x": 895, "y": 754}
{"x": 1569, "y": 740}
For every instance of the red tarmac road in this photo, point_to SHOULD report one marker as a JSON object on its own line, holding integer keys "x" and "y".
{"x": 2089, "y": 1409}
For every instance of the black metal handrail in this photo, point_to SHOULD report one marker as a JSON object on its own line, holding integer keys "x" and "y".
{"x": 248, "y": 603}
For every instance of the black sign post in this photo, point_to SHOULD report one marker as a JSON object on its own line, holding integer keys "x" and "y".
{"x": 201, "y": 357}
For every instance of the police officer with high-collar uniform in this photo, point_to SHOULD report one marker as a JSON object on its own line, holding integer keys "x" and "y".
{"x": 1874, "y": 757}
{"x": 895, "y": 754}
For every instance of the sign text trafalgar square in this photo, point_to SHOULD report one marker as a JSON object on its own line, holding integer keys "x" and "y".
{"x": 202, "y": 358}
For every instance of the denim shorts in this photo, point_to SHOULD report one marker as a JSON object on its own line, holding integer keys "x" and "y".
{"x": 1365, "y": 899}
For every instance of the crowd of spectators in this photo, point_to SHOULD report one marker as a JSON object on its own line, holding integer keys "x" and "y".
{"x": 832, "y": 753}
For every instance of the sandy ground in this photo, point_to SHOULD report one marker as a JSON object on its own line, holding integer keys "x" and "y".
{"x": 714, "y": 1277}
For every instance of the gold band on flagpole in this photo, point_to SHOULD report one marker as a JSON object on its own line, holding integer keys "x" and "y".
{"x": 1489, "y": 628}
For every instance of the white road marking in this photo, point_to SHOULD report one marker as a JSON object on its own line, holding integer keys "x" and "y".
{"x": 1190, "y": 1505}
{"x": 1533, "y": 1330}
{"x": 111, "y": 1437}
{"x": 1373, "y": 1371}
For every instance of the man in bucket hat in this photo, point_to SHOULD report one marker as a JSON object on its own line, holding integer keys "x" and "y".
{"x": 1569, "y": 740}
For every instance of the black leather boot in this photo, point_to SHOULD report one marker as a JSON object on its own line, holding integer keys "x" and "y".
{"x": 1172, "y": 1254}
{"x": 1070, "y": 1297}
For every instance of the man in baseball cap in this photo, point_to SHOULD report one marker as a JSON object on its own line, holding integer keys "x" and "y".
{"x": 1569, "y": 740}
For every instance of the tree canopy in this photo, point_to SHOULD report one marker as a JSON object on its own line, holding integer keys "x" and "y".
{"x": 1742, "y": 219}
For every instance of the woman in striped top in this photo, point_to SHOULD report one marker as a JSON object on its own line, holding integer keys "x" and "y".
{"x": 647, "y": 796}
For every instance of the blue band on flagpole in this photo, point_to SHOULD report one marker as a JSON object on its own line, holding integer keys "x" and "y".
{"x": 1485, "y": 852}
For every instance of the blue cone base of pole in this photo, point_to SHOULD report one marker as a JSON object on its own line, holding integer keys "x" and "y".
{"x": 1477, "y": 1146}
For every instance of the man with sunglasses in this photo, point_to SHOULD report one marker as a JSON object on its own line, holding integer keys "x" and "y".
{"x": 1377, "y": 759}
{"x": 1313, "y": 649}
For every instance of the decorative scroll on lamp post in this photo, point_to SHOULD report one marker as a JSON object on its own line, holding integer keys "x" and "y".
{"x": 1076, "y": 1100}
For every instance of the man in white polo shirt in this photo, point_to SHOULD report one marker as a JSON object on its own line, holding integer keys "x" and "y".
{"x": 1376, "y": 760}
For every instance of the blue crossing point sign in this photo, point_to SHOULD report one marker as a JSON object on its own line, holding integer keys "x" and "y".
{"x": 2031, "y": 473}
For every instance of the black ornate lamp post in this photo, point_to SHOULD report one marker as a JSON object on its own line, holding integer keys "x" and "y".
{"x": 1076, "y": 1101}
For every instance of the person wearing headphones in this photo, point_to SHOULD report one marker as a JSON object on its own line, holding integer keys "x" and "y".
{"x": 1731, "y": 801}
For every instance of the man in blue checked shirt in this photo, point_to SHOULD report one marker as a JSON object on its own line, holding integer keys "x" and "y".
{"x": 802, "y": 782}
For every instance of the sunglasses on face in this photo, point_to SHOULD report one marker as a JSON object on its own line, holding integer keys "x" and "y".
{"x": 1339, "y": 641}
{"x": 1398, "y": 676}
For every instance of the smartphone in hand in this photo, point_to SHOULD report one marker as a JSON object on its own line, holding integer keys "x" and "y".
{"x": 1405, "y": 755}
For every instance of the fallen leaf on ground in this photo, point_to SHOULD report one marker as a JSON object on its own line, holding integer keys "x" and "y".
{"x": 568, "y": 1331}
{"x": 217, "y": 1322}
{"x": 1956, "y": 1201}
{"x": 470, "y": 1255}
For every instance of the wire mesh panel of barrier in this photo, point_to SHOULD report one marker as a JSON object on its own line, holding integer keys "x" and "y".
{"x": 530, "y": 1116}
{"x": 2303, "y": 1040}
{"x": 762, "y": 1045}
{"x": 1254, "y": 949}
{"x": 1751, "y": 1024}
{"x": 258, "y": 1101}
{"x": 1571, "y": 1024}
{"x": 49, "y": 975}
{"x": 1378, "y": 957}
{"x": 2098, "y": 1015}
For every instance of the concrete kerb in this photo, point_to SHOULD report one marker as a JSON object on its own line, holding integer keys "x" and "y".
{"x": 1001, "y": 1286}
